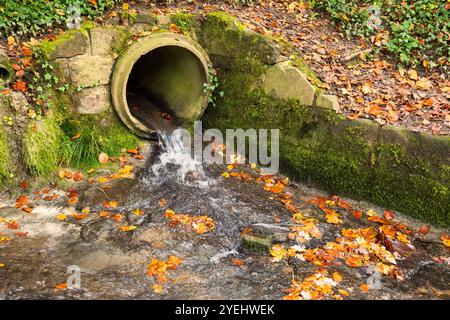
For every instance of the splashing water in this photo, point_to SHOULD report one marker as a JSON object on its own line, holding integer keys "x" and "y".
{"x": 176, "y": 162}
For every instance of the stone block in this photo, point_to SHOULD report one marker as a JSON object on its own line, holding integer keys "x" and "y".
{"x": 104, "y": 39}
{"x": 72, "y": 43}
{"x": 92, "y": 100}
{"x": 328, "y": 101}
{"x": 89, "y": 70}
{"x": 284, "y": 81}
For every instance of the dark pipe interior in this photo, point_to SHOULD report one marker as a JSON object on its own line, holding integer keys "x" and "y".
{"x": 162, "y": 84}
{"x": 4, "y": 75}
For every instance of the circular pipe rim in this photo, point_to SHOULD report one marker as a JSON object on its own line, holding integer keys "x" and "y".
{"x": 127, "y": 60}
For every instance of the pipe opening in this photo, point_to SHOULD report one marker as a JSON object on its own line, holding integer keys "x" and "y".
{"x": 165, "y": 86}
{"x": 5, "y": 75}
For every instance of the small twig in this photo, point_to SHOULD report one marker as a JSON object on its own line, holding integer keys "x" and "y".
{"x": 351, "y": 56}
{"x": 107, "y": 197}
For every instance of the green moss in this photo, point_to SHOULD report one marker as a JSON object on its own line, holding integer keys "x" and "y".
{"x": 310, "y": 75}
{"x": 184, "y": 21}
{"x": 256, "y": 244}
{"x": 42, "y": 146}
{"x": 4, "y": 156}
{"x": 49, "y": 46}
{"x": 98, "y": 133}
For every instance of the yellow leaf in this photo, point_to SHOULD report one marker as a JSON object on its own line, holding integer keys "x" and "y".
{"x": 103, "y": 180}
{"x": 278, "y": 252}
{"x": 137, "y": 212}
{"x": 61, "y": 217}
{"x": 11, "y": 40}
{"x": 337, "y": 277}
{"x": 445, "y": 240}
{"x": 333, "y": 218}
{"x": 424, "y": 84}
{"x": 125, "y": 6}
{"x": 412, "y": 74}
{"x": 128, "y": 228}
{"x": 157, "y": 288}
{"x": 126, "y": 169}
{"x": 225, "y": 175}
{"x": 62, "y": 174}
{"x": 2, "y": 265}
{"x": 344, "y": 293}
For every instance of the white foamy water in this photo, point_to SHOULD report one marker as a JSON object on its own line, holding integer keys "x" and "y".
{"x": 176, "y": 162}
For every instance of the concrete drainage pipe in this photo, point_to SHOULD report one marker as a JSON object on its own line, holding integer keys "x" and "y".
{"x": 161, "y": 73}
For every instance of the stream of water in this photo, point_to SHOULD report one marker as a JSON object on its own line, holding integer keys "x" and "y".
{"x": 114, "y": 263}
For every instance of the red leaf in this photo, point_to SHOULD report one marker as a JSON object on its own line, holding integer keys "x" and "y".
{"x": 20, "y": 86}
{"x": 424, "y": 230}
{"x": 388, "y": 215}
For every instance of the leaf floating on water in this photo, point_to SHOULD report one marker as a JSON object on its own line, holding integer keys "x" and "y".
{"x": 61, "y": 286}
{"x": 200, "y": 224}
{"x": 127, "y": 228}
{"x": 61, "y": 217}
{"x": 364, "y": 287}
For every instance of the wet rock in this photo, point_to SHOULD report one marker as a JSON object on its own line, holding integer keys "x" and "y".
{"x": 257, "y": 244}
{"x": 284, "y": 81}
{"x": 275, "y": 232}
{"x": 98, "y": 229}
{"x": 92, "y": 100}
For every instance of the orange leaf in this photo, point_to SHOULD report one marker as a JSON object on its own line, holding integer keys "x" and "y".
{"x": 80, "y": 216}
{"x": 388, "y": 215}
{"x": 78, "y": 176}
{"x": 61, "y": 286}
{"x": 133, "y": 151}
{"x": 364, "y": 287}
{"x": 21, "y": 201}
{"x": 24, "y": 185}
{"x": 374, "y": 110}
{"x": 424, "y": 230}
{"x": 93, "y": 2}
{"x": 20, "y": 86}
{"x": 357, "y": 214}
{"x": 238, "y": 262}
{"x": 103, "y": 214}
